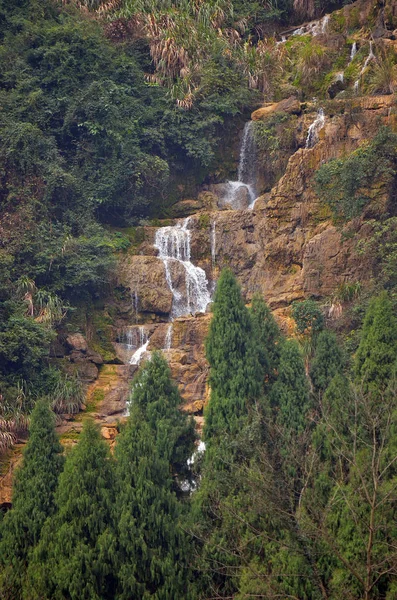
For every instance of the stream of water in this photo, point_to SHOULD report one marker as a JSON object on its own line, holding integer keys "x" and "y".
{"x": 192, "y": 295}
{"x": 246, "y": 183}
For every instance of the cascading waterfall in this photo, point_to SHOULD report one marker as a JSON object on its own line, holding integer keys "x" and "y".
{"x": 314, "y": 27}
{"x": 168, "y": 338}
{"x": 371, "y": 56}
{"x": 143, "y": 344}
{"x": 246, "y": 170}
{"x": 173, "y": 244}
{"x": 314, "y": 129}
{"x": 353, "y": 52}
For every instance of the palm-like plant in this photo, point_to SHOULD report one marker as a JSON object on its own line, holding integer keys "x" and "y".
{"x": 383, "y": 78}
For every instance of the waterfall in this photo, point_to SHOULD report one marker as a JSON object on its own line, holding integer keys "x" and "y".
{"x": 353, "y": 51}
{"x": 173, "y": 244}
{"x": 213, "y": 243}
{"x": 168, "y": 338}
{"x": 143, "y": 344}
{"x": 314, "y": 27}
{"x": 315, "y": 127}
{"x": 371, "y": 56}
{"x": 246, "y": 172}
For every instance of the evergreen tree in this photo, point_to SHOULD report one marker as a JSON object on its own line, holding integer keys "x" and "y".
{"x": 268, "y": 337}
{"x": 327, "y": 360}
{"x": 152, "y": 549}
{"x": 159, "y": 401}
{"x": 236, "y": 376}
{"x": 290, "y": 394}
{"x": 33, "y": 500}
{"x": 376, "y": 354}
{"x": 73, "y": 559}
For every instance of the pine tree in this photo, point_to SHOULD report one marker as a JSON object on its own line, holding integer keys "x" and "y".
{"x": 152, "y": 549}
{"x": 236, "y": 376}
{"x": 327, "y": 360}
{"x": 376, "y": 354}
{"x": 33, "y": 500}
{"x": 268, "y": 338}
{"x": 73, "y": 559}
{"x": 290, "y": 394}
{"x": 159, "y": 401}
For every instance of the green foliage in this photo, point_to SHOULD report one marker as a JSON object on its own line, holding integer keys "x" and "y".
{"x": 290, "y": 393}
{"x": 159, "y": 401}
{"x": 33, "y": 501}
{"x": 74, "y": 556}
{"x": 268, "y": 338}
{"x": 327, "y": 361}
{"x": 235, "y": 376}
{"x": 348, "y": 184}
{"x": 308, "y": 316}
{"x": 376, "y": 355}
{"x": 152, "y": 550}
{"x": 68, "y": 394}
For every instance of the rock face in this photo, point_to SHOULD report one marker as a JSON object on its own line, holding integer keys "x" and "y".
{"x": 290, "y": 106}
{"x": 144, "y": 276}
{"x": 287, "y": 247}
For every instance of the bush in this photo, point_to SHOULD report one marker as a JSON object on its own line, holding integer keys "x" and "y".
{"x": 345, "y": 183}
{"x": 308, "y": 316}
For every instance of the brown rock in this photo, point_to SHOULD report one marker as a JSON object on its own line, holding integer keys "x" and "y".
{"x": 185, "y": 208}
{"x": 77, "y": 342}
{"x": 145, "y": 275}
{"x": 290, "y": 106}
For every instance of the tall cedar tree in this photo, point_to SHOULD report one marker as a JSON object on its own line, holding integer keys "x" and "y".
{"x": 268, "y": 338}
{"x": 290, "y": 393}
{"x": 327, "y": 360}
{"x": 377, "y": 352}
{"x": 159, "y": 401}
{"x": 152, "y": 549}
{"x": 73, "y": 560}
{"x": 33, "y": 500}
{"x": 236, "y": 376}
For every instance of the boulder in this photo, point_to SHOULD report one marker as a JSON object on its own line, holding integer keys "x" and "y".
{"x": 77, "y": 342}
{"x": 145, "y": 276}
{"x": 290, "y": 106}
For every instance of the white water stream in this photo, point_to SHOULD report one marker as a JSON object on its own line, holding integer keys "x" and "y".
{"x": 168, "y": 338}
{"x": 246, "y": 171}
{"x": 142, "y": 349}
{"x": 314, "y": 129}
{"x": 371, "y": 56}
{"x": 191, "y": 295}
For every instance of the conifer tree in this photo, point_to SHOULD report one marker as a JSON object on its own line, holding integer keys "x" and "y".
{"x": 268, "y": 337}
{"x": 73, "y": 559}
{"x": 290, "y": 393}
{"x": 159, "y": 401}
{"x": 376, "y": 354}
{"x": 32, "y": 501}
{"x": 327, "y": 360}
{"x": 152, "y": 549}
{"x": 236, "y": 376}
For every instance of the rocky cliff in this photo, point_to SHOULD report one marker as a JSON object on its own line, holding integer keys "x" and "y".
{"x": 286, "y": 246}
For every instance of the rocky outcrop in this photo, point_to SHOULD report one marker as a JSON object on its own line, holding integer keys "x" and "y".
{"x": 145, "y": 277}
{"x": 290, "y": 106}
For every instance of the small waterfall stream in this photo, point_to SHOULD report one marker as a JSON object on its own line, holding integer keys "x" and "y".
{"x": 246, "y": 171}
{"x": 371, "y": 56}
{"x": 213, "y": 244}
{"x": 142, "y": 349}
{"x": 168, "y": 338}
{"x": 173, "y": 244}
{"x": 314, "y": 129}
